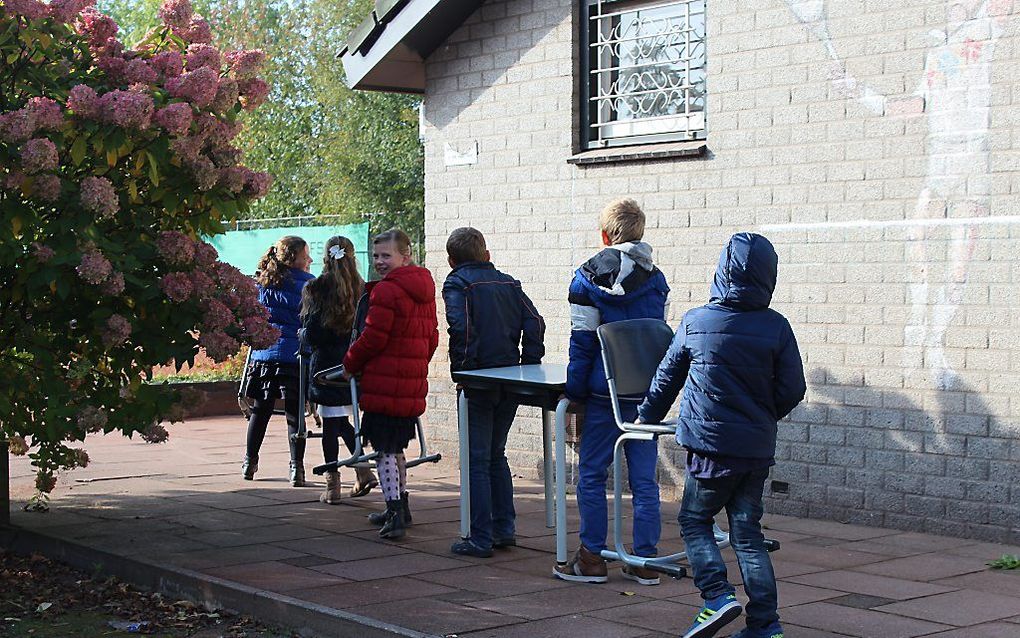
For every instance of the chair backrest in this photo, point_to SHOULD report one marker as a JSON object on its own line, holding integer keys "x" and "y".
{"x": 632, "y": 350}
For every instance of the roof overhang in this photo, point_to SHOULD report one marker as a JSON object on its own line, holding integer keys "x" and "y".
{"x": 387, "y": 51}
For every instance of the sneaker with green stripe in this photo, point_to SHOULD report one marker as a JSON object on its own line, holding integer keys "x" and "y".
{"x": 716, "y": 614}
{"x": 775, "y": 630}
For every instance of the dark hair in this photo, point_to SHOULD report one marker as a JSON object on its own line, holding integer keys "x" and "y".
{"x": 396, "y": 236}
{"x": 334, "y": 293}
{"x": 274, "y": 265}
{"x": 466, "y": 244}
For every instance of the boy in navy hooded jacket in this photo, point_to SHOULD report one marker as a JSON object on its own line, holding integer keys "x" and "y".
{"x": 740, "y": 370}
{"x": 618, "y": 283}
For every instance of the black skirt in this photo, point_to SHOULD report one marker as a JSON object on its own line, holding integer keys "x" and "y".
{"x": 271, "y": 380}
{"x": 387, "y": 434}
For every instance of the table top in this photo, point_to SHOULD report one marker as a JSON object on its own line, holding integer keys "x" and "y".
{"x": 543, "y": 376}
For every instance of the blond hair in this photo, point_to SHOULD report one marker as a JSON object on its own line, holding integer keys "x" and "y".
{"x": 399, "y": 239}
{"x": 334, "y": 294}
{"x": 622, "y": 220}
{"x": 273, "y": 269}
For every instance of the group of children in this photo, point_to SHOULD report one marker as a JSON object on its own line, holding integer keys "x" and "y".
{"x": 735, "y": 361}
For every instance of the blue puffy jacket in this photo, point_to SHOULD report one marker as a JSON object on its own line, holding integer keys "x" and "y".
{"x": 618, "y": 283}
{"x": 284, "y": 304}
{"x": 736, "y": 360}
{"x": 492, "y": 323}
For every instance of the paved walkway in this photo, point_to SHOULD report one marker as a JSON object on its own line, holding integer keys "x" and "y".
{"x": 184, "y": 505}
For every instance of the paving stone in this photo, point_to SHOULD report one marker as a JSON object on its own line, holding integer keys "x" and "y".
{"x": 574, "y": 625}
{"x": 254, "y": 536}
{"x": 494, "y": 581}
{"x": 275, "y": 576}
{"x": 858, "y": 622}
{"x": 926, "y": 567}
{"x": 789, "y": 594}
{"x": 659, "y": 615}
{"x": 222, "y": 557}
{"x": 340, "y": 548}
{"x": 947, "y": 608}
{"x": 1006, "y": 583}
{"x": 390, "y": 566}
{"x": 861, "y": 601}
{"x": 987, "y": 630}
{"x": 870, "y": 584}
{"x": 825, "y": 528}
{"x": 828, "y": 557}
{"x": 437, "y": 616}
{"x": 308, "y": 561}
{"x": 358, "y": 594}
{"x": 214, "y": 520}
{"x": 558, "y": 602}
{"x": 986, "y": 551}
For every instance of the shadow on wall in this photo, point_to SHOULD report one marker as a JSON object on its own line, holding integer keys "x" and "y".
{"x": 870, "y": 456}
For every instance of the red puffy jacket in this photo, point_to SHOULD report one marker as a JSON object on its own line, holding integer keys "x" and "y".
{"x": 401, "y": 334}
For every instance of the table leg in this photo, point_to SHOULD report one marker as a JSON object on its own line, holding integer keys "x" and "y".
{"x": 561, "y": 481}
{"x": 465, "y": 469}
{"x": 547, "y": 456}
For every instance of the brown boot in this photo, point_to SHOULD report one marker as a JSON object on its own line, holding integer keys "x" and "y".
{"x": 331, "y": 496}
{"x": 364, "y": 481}
{"x": 640, "y": 575}
{"x": 584, "y": 567}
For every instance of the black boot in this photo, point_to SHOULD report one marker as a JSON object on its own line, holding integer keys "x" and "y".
{"x": 297, "y": 474}
{"x": 379, "y": 518}
{"x": 249, "y": 466}
{"x": 394, "y": 527}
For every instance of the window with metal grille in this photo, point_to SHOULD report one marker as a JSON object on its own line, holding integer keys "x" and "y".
{"x": 643, "y": 72}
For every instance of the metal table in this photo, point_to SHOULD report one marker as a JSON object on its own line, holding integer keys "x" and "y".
{"x": 541, "y": 386}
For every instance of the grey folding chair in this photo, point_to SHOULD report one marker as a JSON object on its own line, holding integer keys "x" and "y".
{"x": 631, "y": 351}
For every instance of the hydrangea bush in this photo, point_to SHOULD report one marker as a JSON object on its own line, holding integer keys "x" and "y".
{"x": 114, "y": 162}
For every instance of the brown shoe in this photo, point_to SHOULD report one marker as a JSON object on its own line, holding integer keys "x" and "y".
{"x": 364, "y": 482}
{"x": 584, "y": 567}
{"x": 640, "y": 575}
{"x": 331, "y": 495}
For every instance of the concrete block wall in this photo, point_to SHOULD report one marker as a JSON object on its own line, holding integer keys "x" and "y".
{"x": 908, "y": 328}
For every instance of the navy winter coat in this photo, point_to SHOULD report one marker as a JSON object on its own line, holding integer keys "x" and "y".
{"x": 284, "y": 304}
{"x": 492, "y": 323}
{"x": 618, "y": 283}
{"x": 328, "y": 349}
{"x": 736, "y": 360}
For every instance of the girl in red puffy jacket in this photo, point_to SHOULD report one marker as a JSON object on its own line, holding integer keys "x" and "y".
{"x": 391, "y": 356}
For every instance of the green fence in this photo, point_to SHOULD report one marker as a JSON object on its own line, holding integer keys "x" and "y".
{"x": 244, "y": 248}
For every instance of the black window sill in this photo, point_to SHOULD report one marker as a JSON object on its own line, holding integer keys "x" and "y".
{"x": 642, "y": 153}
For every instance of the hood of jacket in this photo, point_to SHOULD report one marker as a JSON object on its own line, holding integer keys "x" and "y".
{"x": 619, "y": 270}
{"x": 414, "y": 280}
{"x": 746, "y": 275}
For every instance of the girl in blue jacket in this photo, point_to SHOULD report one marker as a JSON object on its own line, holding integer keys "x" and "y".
{"x": 282, "y": 274}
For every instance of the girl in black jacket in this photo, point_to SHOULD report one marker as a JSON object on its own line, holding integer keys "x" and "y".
{"x": 328, "y": 307}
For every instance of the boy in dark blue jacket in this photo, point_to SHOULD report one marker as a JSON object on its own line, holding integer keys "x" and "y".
{"x": 492, "y": 324}
{"x": 618, "y": 283}
{"x": 738, "y": 364}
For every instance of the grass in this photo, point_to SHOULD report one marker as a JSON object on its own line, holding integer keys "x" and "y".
{"x": 1006, "y": 561}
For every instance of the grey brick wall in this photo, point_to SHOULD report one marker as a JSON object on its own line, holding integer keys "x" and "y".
{"x": 909, "y": 331}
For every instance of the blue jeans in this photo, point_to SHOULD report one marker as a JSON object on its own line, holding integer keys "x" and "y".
{"x": 490, "y": 415}
{"x": 594, "y": 458}
{"x": 741, "y": 496}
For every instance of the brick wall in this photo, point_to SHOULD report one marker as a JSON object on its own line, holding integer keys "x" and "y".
{"x": 908, "y": 330}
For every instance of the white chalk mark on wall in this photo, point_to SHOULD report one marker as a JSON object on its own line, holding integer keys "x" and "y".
{"x": 955, "y": 94}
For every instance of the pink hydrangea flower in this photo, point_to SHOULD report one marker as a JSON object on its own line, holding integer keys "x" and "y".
{"x": 127, "y": 109}
{"x": 92, "y": 419}
{"x": 198, "y": 31}
{"x": 17, "y": 445}
{"x": 48, "y": 115}
{"x": 97, "y": 26}
{"x": 201, "y": 55}
{"x": 67, "y": 10}
{"x": 259, "y": 333}
{"x": 98, "y": 196}
{"x": 218, "y": 345}
{"x": 169, "y": 63}
{"x": 175, "y": 118}
{"x": 217, "y": 316}
{"x": 84, "y": 101}
{"x": 233, "y": 178}
{"x": 39, "y": 154}
{"x": 45, "y": 482}
{"x": 175, "y": 247}
{"x": 245, "y": 64}
{"x": 47, "y": 187}
{"x": 176, "y": 13}
{"x": 204, "y": 172}
{"x": 14, "y": 181}
{"x": 42, "y": 252}
{"x": 81, "y": 458}
{"x": 114, "y": 68}
{"x": 94, "y": 267}
{"x": 226, "y": 95}
{"x": 17, "y": 126}
{"x": 176, "y": 286}
{"x": 226, "y": 156}
{"x": 187, "y": 148}
{"x": 202, "y": 285}
{"x": 205, "y": 256}
{"x": 31, "y": 9}
{"x": 257, "y": 184}
{"x": 254, "y": 92}
{"x": 138, "y": 71}
{"x": 155, "y": 433}
{"x": 117, "y": 331}
{"x": 114, "y": 285}
{"x": 198, "y": 86}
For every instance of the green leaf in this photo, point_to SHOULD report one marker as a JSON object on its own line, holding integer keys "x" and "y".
{"x": 78, "y": 149}
{"x": 153, "y": 168}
